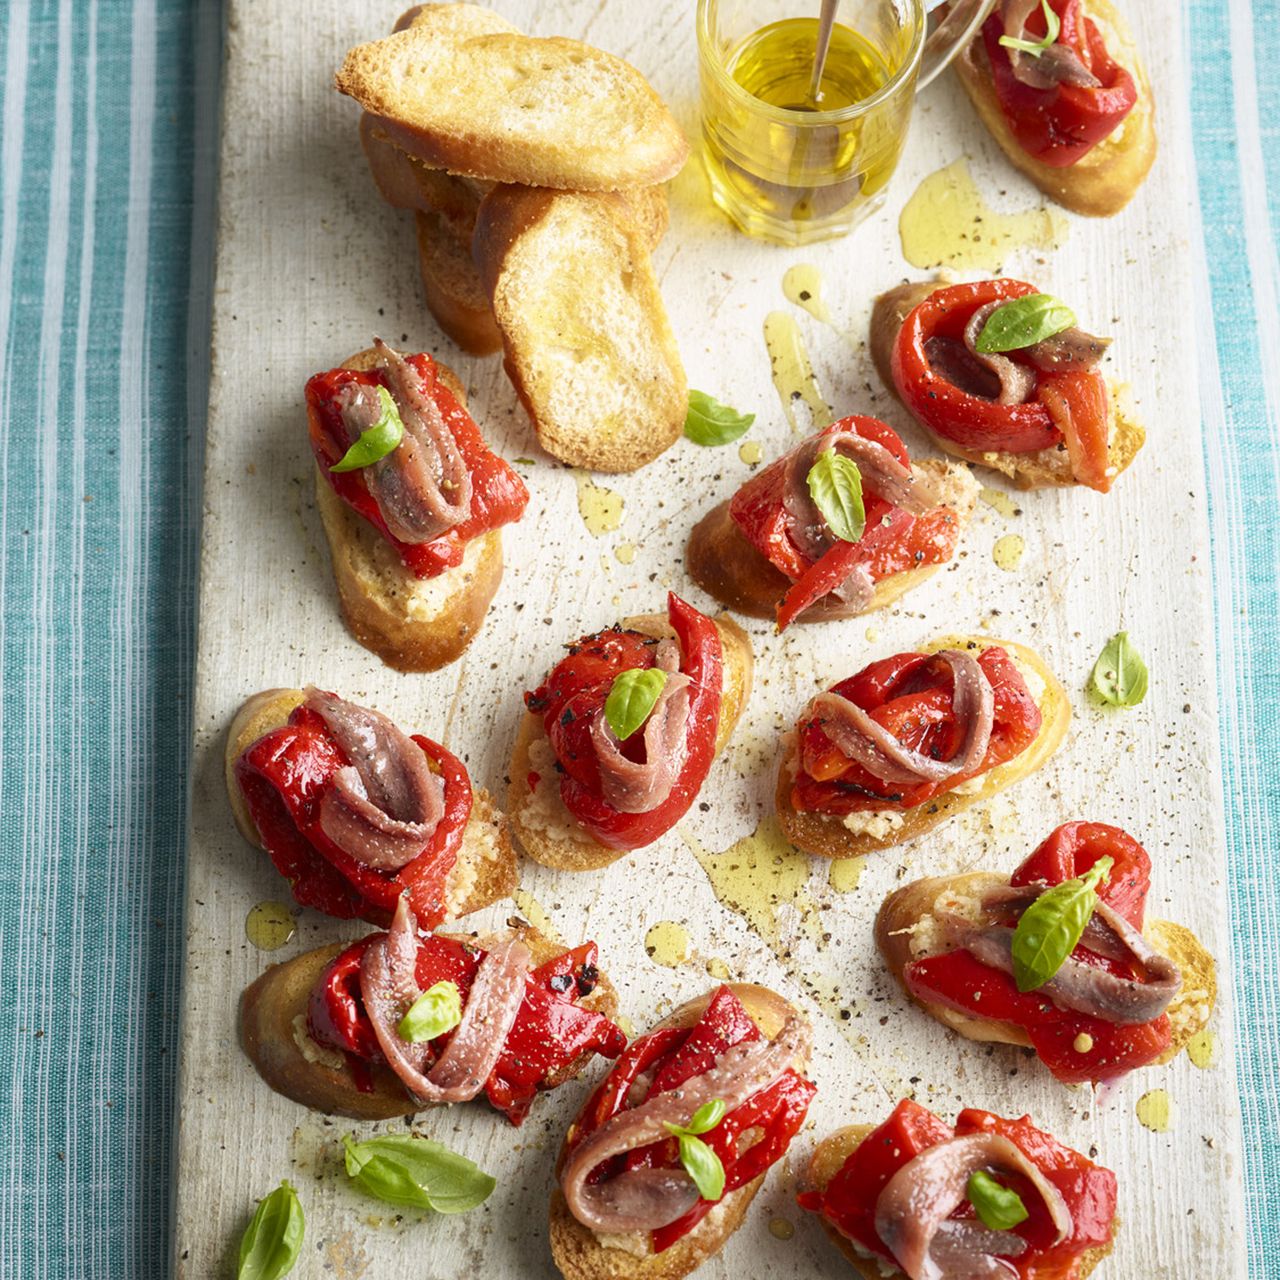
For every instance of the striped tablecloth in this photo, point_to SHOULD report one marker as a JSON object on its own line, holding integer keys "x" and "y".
{"x": 107, "y": 182}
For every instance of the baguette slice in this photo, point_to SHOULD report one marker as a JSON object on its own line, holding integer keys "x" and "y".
{"x": 828, "y": 837}
{"x": 580, "y": 1253}
{"x": 508, "y": 107}
{"x": 452, "y": 287}
{"x": 1046, "y": 468}
{"x": 898, "y": 935}
{"x": 725, "y": 565}
{"x": 486, "y": 867}
{"x": 273, "y": 1032}
{"x": 411, "y": 623}
{"x": 546, "y": 830}
{"x": 586, "y": 338}
{"x": 829, "y": 1158}
{"x": 1106, "y": 178}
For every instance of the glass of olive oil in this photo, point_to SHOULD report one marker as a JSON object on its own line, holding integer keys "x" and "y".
{"x": 793, "y": 166}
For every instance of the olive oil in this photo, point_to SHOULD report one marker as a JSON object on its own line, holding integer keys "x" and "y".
{"x": 269, "y": 925}
{"x": 792, "y": 373}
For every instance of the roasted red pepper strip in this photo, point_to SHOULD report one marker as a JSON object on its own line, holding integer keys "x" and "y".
{"x": 894, "y": 541}
{"x": 551, "y": 1030}
{"x": 498, "y": 495}
{"x": 675, "y": 1055}
{"x": 284, "y": 776}
{"x": 1080, "y": 406}
{"x": 1058, "y": 126}
{"x": 910, "y": 695}
{"x": 849, "y": 1199}
{"x": 960, "y": 981}
{"x": 575, "y": 692}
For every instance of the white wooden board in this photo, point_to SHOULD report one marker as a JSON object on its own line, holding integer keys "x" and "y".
{"x": 310, "y": 265}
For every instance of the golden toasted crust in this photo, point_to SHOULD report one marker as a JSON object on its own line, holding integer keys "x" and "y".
{"x": 411, "y": 623}
{"x": 482, "y": 99}
{"x": 725, "y": 565}
{"x": 452, "y": 287}
{"x": 577, "y": 1250}
{"x": 546, "y": 830}
{"x": 1104, "y": 180}
{"x": 828, "y": 837}
{"x": 906, "y": 908}
{"x": 485, "y": 870}
{"x": 829, "y": 1158}
{"x": 586, "y": 339}
{"x": 273, "y": 1033}
{"x": 1048, "y": 468}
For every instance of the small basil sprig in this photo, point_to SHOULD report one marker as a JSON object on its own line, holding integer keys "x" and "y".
{"x": 835, "y": 485}
{"x": 377, "y": 441}
{"x": 1052, "y": 26}
{"x": 273, "y": 1240}
{"x": 1023, "y": 322}
{"x": 417, "y": 1173}
{"x": 437, "y": 1010}
{"x": 1120, "y": 675}
{"x": 700, "y": 1162}
{"x": 633, "y": 695}
{"x": 1000, "y": 1208}
{"x": 1051, "y": 926}
{"x": 711, "y": 423}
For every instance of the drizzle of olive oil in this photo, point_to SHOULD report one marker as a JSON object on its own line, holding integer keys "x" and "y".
{"x": 269, "y": 925}
{"x": 1202, "y": 1049}
{"x": 792, "y": 373}
{"x": 667, "y": 943}
{"x": 1155, "y": 1111}
{"x": 948, "y": 223}
{"x": 535, "y": 914}
{"x": 750, "y": 452}
{"x": 1000, "y": 501}
{"x": 1007, "y": 552}
{"x": 802, "y": 285}
{"x": 845, "y": 874}
{"x": 600, "y": 508}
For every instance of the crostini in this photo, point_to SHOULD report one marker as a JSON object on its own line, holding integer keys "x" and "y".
{"x": 989, "y": 1197}
{"x": 617, "y": 741}
{"x": 1073, "y": 111}
{"x": 412, "y": 501}
{"x": 404, "y": 1020}
{"x": 353, "y": 812}
{"x": 891, "y": 752}
{"x": 842, "y": 524}
{"x": 998, "y": 374}
{"x": 1123, "y": 997}
{"x": 724, "y": 1073}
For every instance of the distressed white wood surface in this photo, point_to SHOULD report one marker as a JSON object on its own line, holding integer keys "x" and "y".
{"x": 310, "y": 265}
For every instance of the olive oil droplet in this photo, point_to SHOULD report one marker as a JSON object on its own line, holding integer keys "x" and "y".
{"x": 1202, "y": 1049}
{"x": 269, "y": 925}
{"x": 667, "y": 943}
{"x": 1007, "y": 553}
{"x": 802, "y": 285}
{"x": 845, "y": 874}
{"x": 1000, "y": 501}
{"x": 792, "y": 373}
{"x": 717, "y": 969}
{"x": 534, "y": 912}
{"x": 1155, "y": 1111}
{"x": 625, "y": 552}
{"x": 600, "y": 508}
{"x": 781, "y": 1229}
{"x": 750, "y": 452}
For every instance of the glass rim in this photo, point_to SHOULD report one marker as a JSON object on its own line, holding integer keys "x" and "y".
{"x": 808, "y": 119}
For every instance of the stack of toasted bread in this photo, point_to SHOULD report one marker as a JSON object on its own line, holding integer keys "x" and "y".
{"x": 534, "y": 171}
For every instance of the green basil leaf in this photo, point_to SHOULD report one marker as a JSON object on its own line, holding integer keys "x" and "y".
{"x": 1120, "y": 675}
{"x": 415, "y": 1172}
{"x": 273, "y": 1240}
{"x": 835, "y": 484}
{"x": 435, "y": 1011}
{"x": 633, "y": 695}
{"x": 1052, "y": 26}
{"x": 707, "y": 1116}
{"x": 1000, "y": 1208}
{"x": 703, "y": 1166}
{"x": 1022, "y": 322}
{"x": 378, "y": 441}
{"x": 1051, "y": 926}
{"x": 711, "y": 423}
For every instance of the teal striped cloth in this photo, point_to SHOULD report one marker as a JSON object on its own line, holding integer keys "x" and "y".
{"x": 107, "y": 180}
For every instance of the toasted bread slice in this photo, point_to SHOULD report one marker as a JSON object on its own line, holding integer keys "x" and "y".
{"x": 546, "y": 830}
{"x": 1045, "y": 468}
{"x": 411, "y": 623}
{"x": 508, "y": 107}
{"x": 725, "y": 565}
{"x": 829, "y": 1158}
{"x": 587, "y": 342}
{"x": 486, "y": 867}
{"x": 1105, "y": 179}
{"x": 582, "y": 1255}
{"x": 830, "y": 837}
{"x": 452, "y": 287}
{"x": 273, "y": 1032}
{"x": 903, "y": 934}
